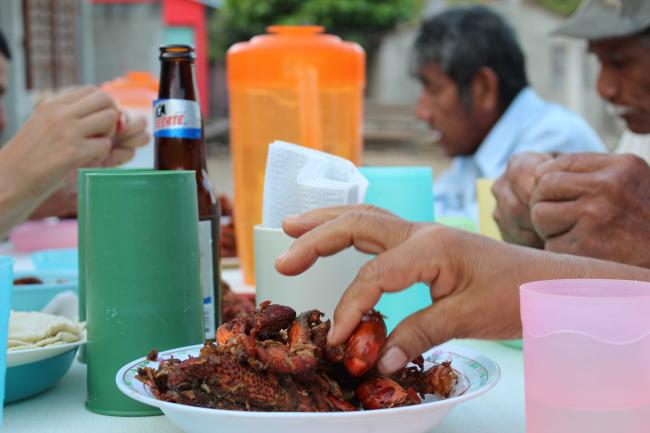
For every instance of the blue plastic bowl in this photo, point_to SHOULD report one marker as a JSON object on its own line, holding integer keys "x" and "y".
{"x": 66, "y": 259}
{"x": 27, "y": 380}
{"x": 33, "y": 297}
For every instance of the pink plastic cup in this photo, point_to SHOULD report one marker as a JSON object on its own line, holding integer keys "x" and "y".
{"x": 586, "y": 356}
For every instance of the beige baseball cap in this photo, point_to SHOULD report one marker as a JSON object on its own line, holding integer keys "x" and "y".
{"x": 607, "y": 19}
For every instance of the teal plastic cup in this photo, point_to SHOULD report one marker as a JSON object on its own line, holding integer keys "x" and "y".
{"x": 143, "y": 287}
{"x": 81, "y": 244}
{"x": 407, "y": 192}
{"x": 6, "y": 283}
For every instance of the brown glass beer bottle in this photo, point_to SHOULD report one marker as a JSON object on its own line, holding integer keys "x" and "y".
{"x": 179, "y": 145}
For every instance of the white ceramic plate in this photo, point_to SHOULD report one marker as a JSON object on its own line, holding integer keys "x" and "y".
{"x": 478, "y": 375}
{"x": 28, "y": 356}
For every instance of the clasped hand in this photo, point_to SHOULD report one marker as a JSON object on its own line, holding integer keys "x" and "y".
{"x": 594, "y": 205}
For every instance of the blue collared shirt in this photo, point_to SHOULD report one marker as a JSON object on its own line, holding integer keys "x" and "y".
{"x": 529, "y": 124}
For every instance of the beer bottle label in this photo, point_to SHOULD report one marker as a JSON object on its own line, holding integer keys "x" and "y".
{"x": 207, "y": 277}
{"x": 177, "y": 118}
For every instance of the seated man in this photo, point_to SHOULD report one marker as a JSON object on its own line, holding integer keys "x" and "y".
{"x": 475, "y": 96}
{"x": 582, "y": 203}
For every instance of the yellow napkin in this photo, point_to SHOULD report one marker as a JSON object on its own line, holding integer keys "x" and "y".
{"x": 486, "y": 205}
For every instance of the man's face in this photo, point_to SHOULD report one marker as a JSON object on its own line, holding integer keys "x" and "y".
{"x": 624, "y": 78}
{"x": 4, "y": 72}
{"x": 441, "y": 107}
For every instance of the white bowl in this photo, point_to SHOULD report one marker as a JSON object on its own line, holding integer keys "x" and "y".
{"x": 478, "y": 375}
{"x": 36, "y": 354}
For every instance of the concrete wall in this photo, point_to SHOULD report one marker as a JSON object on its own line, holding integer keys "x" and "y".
{"x": 19, "y": 101}
{"x": 115, "y": 26}
{"x": 559, "y": 69}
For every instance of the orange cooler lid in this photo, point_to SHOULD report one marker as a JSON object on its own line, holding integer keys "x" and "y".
{"x": 276, "y": 59}
{"x": 137, "y": 89}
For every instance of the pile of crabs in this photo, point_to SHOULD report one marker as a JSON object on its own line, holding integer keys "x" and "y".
{"x": 273, "y": 360}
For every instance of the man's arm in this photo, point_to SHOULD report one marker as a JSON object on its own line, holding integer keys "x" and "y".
{"x": 474, "y": 280}
{"x": 63, "y": 133}
{"x": 131, "y": 134}
{"x": 15, "y": 204}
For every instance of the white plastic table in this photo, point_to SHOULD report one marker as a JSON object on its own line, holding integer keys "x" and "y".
{"x": 61, "y": 409}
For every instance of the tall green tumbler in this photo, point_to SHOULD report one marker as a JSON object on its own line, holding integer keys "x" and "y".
{"x": 142, "y": 276}
{"x": 81, "y": 218}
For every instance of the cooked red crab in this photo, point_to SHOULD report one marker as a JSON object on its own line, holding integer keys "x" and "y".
{"x": 275, "y": 360}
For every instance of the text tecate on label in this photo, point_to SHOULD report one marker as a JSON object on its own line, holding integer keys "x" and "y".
{"x": 177, "y": 118}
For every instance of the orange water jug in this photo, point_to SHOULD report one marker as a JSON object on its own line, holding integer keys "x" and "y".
{"x": 294, "y": 84}
{"x": 134, "y": 94}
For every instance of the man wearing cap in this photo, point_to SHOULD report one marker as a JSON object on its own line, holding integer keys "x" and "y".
{"x": 591, "y": 204}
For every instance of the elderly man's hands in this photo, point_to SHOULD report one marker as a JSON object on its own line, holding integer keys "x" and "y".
{"x": 74, "y": 129}
{"x": 462, "y": 273}
{"x": 131, "y": 133}
{"x": 64, "y": 132}
{"x": 513, "y": 191}
{"x": 594, "y": 205}
{"x": 588, "y": 204}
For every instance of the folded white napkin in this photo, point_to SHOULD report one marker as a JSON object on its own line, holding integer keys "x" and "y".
{"x": 299, "y": 179}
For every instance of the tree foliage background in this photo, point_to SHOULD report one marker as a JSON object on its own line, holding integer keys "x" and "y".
{"x": 361, "y": 21}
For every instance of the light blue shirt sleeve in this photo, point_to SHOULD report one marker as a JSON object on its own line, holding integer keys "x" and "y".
{"x": 570, "y": 134}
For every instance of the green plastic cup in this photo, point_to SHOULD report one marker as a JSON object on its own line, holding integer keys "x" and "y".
{"x": 81, "y": 219}
{"x": 142, "y": 276}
